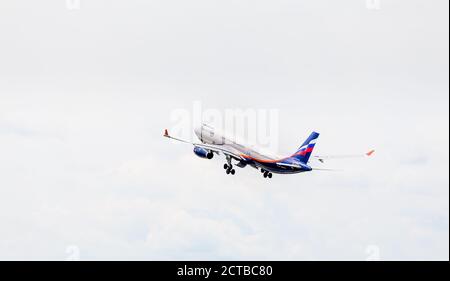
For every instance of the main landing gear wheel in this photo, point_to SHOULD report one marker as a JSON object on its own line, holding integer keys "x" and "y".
{"x": 267, "y": 175}
{"x": 229, "y": 169}
{"x": 228, "y": 166}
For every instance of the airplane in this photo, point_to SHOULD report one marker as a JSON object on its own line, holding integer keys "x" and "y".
{"x": 213, "y": 142}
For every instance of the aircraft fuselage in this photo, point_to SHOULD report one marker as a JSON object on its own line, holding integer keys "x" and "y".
{"x": 288, "y": 165}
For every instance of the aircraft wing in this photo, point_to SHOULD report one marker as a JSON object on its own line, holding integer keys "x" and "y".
{"x": 226, "y": 150}
{"x": 322, "y": 158}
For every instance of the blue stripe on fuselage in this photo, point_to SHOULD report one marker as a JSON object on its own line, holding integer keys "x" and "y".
{"x": 281, "y": 169}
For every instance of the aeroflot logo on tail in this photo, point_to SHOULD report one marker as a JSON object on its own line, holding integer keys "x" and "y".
{"x": 253, "y": 126}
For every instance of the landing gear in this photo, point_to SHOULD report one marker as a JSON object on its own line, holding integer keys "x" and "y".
{"x": 229, "y": 168}
{"x": 266, "y": 174}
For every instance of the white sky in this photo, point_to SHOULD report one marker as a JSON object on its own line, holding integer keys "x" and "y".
{"x": 85, "y": 95}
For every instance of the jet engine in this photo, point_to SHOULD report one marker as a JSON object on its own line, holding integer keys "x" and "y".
{"x": 203, "y": 153}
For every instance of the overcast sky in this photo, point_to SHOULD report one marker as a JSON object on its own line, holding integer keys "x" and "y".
{"x": 85, "y": 92}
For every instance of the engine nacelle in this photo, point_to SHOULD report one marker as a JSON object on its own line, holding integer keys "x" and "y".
{"x": 203, "y": 153}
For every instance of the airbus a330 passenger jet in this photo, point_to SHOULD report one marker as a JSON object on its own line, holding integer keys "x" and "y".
{"x": 213, "y": 142}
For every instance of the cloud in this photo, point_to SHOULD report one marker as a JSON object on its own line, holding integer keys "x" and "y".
{"x": 81, "y": 118}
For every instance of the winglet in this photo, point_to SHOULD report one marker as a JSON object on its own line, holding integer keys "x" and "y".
{"x": 370, "y": 152}
{"x": 166, "y": 133}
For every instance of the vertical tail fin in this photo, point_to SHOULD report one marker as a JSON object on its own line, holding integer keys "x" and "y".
{"x": 305, "y": 150}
